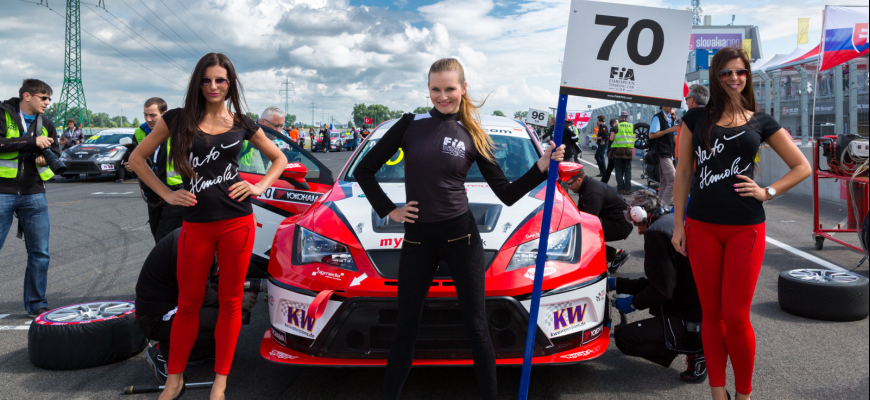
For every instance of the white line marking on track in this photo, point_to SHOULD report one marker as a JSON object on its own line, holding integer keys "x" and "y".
{"x": 3, "y": 316}
{"x": 772, "y": 241}
{"x": 14, "y": 328}
{"x": 807, "y": 256}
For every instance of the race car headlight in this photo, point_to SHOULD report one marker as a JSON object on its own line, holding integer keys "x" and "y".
{"x": 560, "y": 247}
{"x": 111, "y": 156}
{"x": 314, "y": 248}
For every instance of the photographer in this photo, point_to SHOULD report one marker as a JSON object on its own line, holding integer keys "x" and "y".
{"x": 157, "y": 301}
{"x": 668, "y": 291}
{"x": 28, "y": 143}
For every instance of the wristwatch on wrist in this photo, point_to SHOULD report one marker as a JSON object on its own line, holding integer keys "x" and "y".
{"x": 771, "y": 192}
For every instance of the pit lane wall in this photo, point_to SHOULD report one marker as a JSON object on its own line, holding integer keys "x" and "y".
{"x": 772, "y": 168}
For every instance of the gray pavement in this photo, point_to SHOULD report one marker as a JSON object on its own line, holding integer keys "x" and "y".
{"x": 99, "y": 239}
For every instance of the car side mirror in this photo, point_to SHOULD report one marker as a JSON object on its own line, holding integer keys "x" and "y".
{"x": 294, "y": 173}
{"x": 125, "y": 141}
{"x": 568, "y": 170}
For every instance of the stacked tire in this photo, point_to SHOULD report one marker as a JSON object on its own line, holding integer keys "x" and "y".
{"x": 85, "y": 335}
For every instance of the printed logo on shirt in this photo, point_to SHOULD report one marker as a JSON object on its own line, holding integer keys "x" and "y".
{"x": 454, "y": 147}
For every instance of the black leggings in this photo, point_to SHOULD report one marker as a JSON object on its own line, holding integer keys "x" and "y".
{"x": 457, "y": 242}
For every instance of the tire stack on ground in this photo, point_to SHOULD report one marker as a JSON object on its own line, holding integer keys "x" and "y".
{"x": 85, "y": 335}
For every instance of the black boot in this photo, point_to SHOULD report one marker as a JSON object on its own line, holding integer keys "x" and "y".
{"x": 620, "y": 258}
{"x": 696, "y": 369}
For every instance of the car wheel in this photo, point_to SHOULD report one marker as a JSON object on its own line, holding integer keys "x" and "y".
{"x": 824, "y": 294}
{"x": 85, "y": 335}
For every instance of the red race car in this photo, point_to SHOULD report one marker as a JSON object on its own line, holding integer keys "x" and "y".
{"x": 333, "y": 268}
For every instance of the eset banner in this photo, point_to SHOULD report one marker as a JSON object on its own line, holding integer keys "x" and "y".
{"x": 626, "y": 53}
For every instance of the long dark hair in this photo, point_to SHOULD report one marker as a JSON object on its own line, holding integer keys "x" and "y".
{"x": 723, "y": 99}
{"x": 186, "y": 125}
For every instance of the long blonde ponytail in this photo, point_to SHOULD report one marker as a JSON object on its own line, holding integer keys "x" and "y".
{"x": 468, "y": 113}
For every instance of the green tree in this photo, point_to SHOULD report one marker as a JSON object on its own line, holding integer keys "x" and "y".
{"x": 396, "y": 114}
{"x": 359, "y": 112}
{"x": 136, "y": 122}
{"x": 253, "y": 116}
{"x": 289, "y": 119}
{"x": 422, "y": 110}
{"x": 498, "y": 113}
{"x": 521, "y": 114}
{"x": 379, "y": 113}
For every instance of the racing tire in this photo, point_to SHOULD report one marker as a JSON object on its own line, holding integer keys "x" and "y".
{"x": 824, "y": 294}
{"x": 85, "y": 335}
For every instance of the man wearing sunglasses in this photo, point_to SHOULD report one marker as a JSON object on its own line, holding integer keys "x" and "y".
{"x": 602, "y": 201}
{"x": 24, "y": 134}
{"x": 667, "y": 290}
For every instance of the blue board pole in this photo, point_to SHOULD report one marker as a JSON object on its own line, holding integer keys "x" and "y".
{"x": 532, "y": 329}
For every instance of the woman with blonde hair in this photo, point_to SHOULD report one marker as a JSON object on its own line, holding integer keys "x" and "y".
{"x": 440, "y": 147}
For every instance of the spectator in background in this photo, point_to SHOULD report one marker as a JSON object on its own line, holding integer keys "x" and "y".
{"x": 72, "y": 134}
{"x": 312, "y": 135}
{"x": 324, "y": 138}
{"x": 698, "y": 96}
{"x": 623, "y": 152}
{"x": 601, "y": 134}
{"x": 614, "y": 127}
{"x": 356, "y": 137}
{"x": 661, "y": 134}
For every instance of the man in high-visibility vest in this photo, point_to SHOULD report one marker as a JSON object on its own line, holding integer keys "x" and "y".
{"x": 623, "y": 151}
{"x": 163, "y": 218}
{"x": 24, "y": 134}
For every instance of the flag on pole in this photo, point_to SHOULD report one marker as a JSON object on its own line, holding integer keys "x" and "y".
{"x": 803, "y": 31}
{"x": 747, "y": 47}
{"x": 845, "y": 35}
{"x": 367, "y": 120}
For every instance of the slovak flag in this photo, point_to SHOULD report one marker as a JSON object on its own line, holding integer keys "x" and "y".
{"x": 845, "y": 35}
{"x": 367, "y": 121}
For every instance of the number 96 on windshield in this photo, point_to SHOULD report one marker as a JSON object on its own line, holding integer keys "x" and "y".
{"x": 626, "y": 53}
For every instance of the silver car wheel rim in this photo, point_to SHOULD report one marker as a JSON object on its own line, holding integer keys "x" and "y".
{"x": 823, "y": 276}
{"x": 90, "y": 311}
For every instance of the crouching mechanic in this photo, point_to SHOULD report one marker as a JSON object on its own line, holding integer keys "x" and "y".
{"x": 157, "y": 301}
{"x": 668, "y": 291}
{"x": 602, "y": 201}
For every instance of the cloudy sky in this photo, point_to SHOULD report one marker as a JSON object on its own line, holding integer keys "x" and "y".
{"x": 336, "y": 52}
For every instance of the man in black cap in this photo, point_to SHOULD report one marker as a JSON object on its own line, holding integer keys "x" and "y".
{"x": 602, "y": 201}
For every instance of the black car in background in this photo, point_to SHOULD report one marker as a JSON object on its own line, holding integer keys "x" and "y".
{"x": 99, "y": 154}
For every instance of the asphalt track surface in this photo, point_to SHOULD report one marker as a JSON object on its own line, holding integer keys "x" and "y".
{"x": 99, "y": 238}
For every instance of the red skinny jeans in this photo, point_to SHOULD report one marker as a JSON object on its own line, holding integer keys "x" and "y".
{"x": 726, "y": 261}
{"x": 233, "y": 239}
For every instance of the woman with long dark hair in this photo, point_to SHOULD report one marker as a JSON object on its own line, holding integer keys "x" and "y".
{"x": 724, "y": 229}
{"x": 205, "y": 139}
{"x": 440, "y": 147}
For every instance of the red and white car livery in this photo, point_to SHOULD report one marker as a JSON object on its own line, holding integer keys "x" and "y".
{"x": 334, "y": 268}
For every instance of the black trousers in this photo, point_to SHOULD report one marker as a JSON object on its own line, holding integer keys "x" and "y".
{"x": 164, "y": 219}
{"x": 155, "y": 328}
{"x": 614, "y": 231}
{"x": 606, "y": 174}
{"x": 646, "y": 339}
{"x": 623, "y": 173}
{"x": 600, "y": 158}
{"x": 457, "y": 242}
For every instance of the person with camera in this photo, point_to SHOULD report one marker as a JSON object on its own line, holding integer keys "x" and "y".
{"x": 28, "y": 152}
{"x": 602, "y": 201}
{"x": 667, "y": 290}
{"x": 157, "y": 303}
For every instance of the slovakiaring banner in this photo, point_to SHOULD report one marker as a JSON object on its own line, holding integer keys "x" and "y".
{"x": 845, "y": 35}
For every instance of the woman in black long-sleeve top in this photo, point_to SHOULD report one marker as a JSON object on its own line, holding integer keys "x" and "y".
{"x": 439, "y": 149}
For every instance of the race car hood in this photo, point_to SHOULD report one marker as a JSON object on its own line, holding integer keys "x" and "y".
{"x": 88, "y": 151}
{"x": 498, "y": 224}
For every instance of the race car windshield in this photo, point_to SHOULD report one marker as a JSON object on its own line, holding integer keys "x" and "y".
{"x": 513, "y": 154}
{"x": 106, "y": 139}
